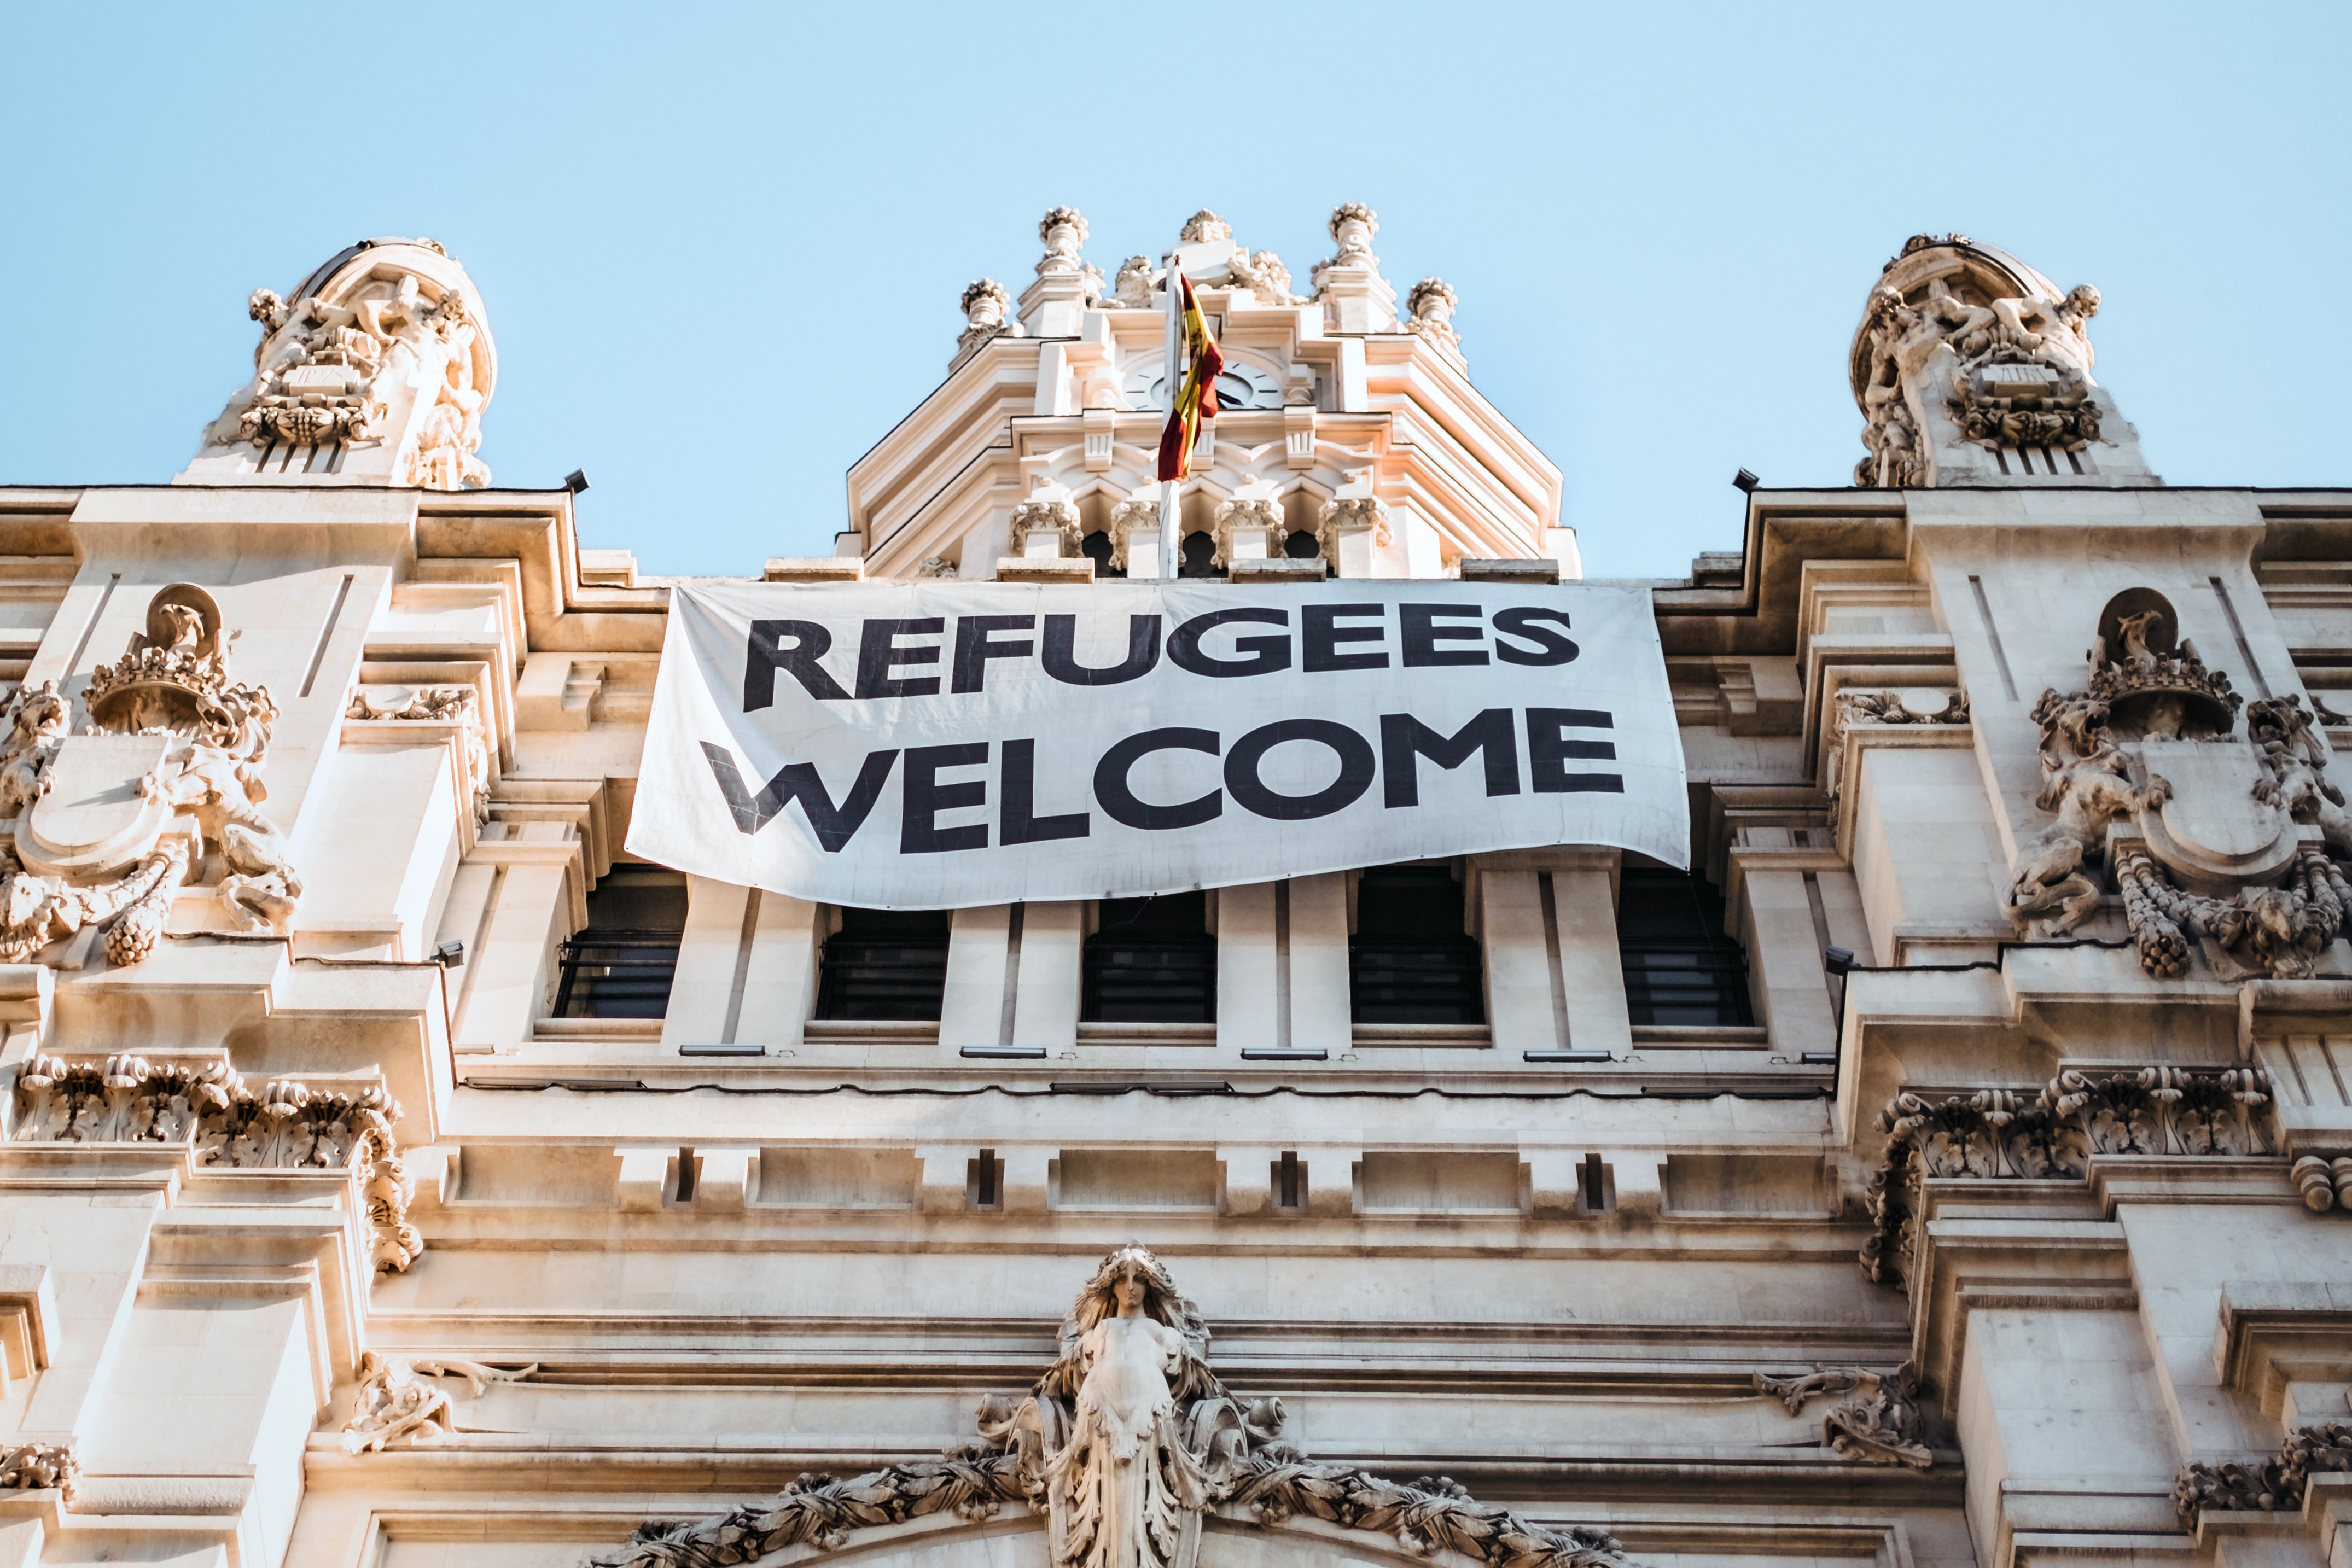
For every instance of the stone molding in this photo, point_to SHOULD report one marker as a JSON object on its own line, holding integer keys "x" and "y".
{"x": 210, "y": 1110}
{"x": 1995, "y": 1133}
{"x": 1051, "y": 1452}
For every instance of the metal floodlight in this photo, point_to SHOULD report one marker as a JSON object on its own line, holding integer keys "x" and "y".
{"x": 1838, "y": 960}
{"x": 1745, "y": 481}
{"x": 577, "y": 480}
{"x": 450, "y": 955}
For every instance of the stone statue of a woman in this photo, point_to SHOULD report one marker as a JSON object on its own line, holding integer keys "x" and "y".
{"x": 1124, "y": 1491}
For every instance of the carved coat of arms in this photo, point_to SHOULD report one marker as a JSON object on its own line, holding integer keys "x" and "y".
{"x": 2212, "y": 837}
{"x": 160, "y": 790}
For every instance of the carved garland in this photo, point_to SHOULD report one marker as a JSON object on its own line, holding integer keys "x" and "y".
{"x": 37, "y": 1467}
{"x": 288, "y": 1126}
{"x": 1112, "y": 1500}
{"x": 1998, "y": 1134}
{"x": 2273, "y": 1486}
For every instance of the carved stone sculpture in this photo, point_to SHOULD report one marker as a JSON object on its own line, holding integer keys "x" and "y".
{"x": 1124, "y": 1443}
{"x": 2176, "y": 1112}
{"x": 1124, "y": 519}
{"x": 1131, "y": 290}
{"x": 936, "y": 566}
{"x": 1258, "y": 515}
{"x": 400, "y": 1400}
{"x": 1264, "y": 276}
{"x": 2087, "y": 782}
{"x": 1061, "y": 231}
{"x": 1354, "y": 512}
{"x": 1880, "y": 1425}
{"x": 1353, "y": 225}
{"x": 1205, "y": 225}
{"x": 1431, "y": 303}
{"x": 984, "y": 303}
{"x": 36, "y": 1467}
{"x": 289, "y": 1125}
{"x": 165, "y": 787}
{"x": 381, "y": 368}
{"x": 1059, "y": 517}
{"x": 2275, "y": 1485}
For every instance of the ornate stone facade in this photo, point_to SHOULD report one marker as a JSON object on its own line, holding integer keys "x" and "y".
{"x": 395, "y": 1171}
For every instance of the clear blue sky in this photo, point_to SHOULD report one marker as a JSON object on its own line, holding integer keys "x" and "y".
{"x": 721, "y": 245}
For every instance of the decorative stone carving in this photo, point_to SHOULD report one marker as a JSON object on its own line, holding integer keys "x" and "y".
{"x": 2275, "y": 1485}
{"x": 37, "y": 1467}
{"x": 400, "y": 1400}
{"x": 984, "y": 303}
{"x": 1124, "y": 519}
{"x": 2323, "y": 1183}
{"x": 1203, "y": 226}
{"x": 1856, "y": 707}
{"x": 936, "y": 566}
{"x": 1131, "y": 290}
{"x": 440, "y": 704}
{"x": 288, "y": 1126}
{"x": 1231, "y": 518}
{"x": 1881, "y": 1424}
{"x": 1431, "y": 303}
{"x": 1353, "y": 225}
{"x": 385, "y": 354}
{"x": 1061, "y": 231}
{"x": 1123, "y": 1444}
{"x": 1264, "y": 276}
{"x": 165, "y": 784}
{"x": 1046, "y": 516}
{"x": 1353, "y": 512}
{"x": 2182, "y": 1111}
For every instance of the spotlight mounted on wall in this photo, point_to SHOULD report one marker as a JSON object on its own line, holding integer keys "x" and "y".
{"x": 577, "y": 480}
{"x": 1745, "y": 481}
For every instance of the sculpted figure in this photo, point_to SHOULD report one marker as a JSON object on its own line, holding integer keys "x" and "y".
{"x": 2087, "y": 783}
{"x": 2281, "y": 730}
{"x": 2061, "y": 331}
{"x": 37, "y": 721}
{"x": 1131, "y": 289}
{"x": 1121, "y": 1485}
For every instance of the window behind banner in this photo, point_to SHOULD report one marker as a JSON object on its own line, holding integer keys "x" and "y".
{"x": 1410, "y": 961}
{"x": 620, "y": 965}
{"x": 885, "y": 964}
{"x": 1680, "y": 966}
{"x": 1150, "y": 960}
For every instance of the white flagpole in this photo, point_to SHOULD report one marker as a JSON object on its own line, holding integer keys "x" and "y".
{"x": 1170, "y": 557}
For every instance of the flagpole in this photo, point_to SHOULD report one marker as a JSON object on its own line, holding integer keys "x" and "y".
{"x": 1170, "y": 557}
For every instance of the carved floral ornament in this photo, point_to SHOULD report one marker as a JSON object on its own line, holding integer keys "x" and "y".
{"x": 1124, "y": 1444}
{"x": 2235, "y": 836}
{"x": 2273, "y": 1486}
{"x": 1857, "y": 707}
{"x": 208, "y": 1108}
{"x": 1999, "y": 1134}
{"x": 162, "y": 787}
{"x": 39, "y": 1467}
{"x": 460, "y": 705}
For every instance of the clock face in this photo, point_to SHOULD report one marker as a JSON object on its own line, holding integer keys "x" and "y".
{"x": 1240, "y": 386}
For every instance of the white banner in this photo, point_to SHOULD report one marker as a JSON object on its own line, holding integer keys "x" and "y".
{"x": 933, "y": 744}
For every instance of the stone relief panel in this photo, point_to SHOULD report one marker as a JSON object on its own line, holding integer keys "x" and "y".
{"x": 1123, "y": 1445}
{"x": 400, "y": 1400}
{"x": 163, "y": 788}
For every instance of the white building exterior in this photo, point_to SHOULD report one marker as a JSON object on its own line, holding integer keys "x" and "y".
{"x": 396, "y": 1176}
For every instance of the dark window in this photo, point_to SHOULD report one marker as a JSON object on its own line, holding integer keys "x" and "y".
{"x": 885, "y": 964}
{"x": 1680, "y": 967}
{"x": 1409, "y": 960}
{"x": 1152, "y": 960}
{"x": 1096, "y": 547}
{"x": 1200, "y": 554}
{"x": 620, "y": 965}
{"x": 1302, "y": 544}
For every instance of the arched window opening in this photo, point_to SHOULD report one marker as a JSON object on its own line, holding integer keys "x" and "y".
{"x": 1410, "y": 961}
{"x": 621, "y": 964}
{"x": 1200, "y": 555}
{"x": 1302, "y": 544}
{"x": 1680, "y": 966}
{"x": 1096, "y": 547}
{"x": 885, "y": 964}
{"x": 1150, "y": 960}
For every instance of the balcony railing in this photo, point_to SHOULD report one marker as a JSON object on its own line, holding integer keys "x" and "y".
{"x": 617, "y": 973}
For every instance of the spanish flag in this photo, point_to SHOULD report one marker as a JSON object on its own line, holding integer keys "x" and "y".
{"x": 1197, "y": 400}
